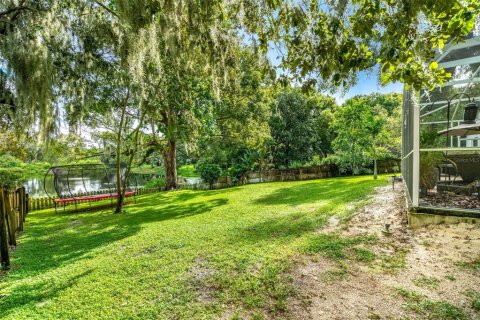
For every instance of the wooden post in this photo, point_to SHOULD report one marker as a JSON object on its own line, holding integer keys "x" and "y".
{"x": 10, "y": 218}
{"x": 20, "y": 209}
{"x": 27, "y": 205}
{"x": 4, "y": 254}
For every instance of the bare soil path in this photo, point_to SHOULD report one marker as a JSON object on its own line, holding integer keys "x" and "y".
{"x": 428, "y": 273}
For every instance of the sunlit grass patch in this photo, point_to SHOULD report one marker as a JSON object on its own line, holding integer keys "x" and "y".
{"x": 335, "y": 246}
{"x": 182, "y": 254}
{"x": 431, "y": 309}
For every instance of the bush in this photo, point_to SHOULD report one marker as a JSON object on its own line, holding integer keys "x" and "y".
{"x": 236, "y": 172}
{"x": 296, "y": 165}
{"x": 316, "y": 161}
{"x": 344, "y": 168}
{"x": 12, "y": 177}
{"x": 210, "y": 173}
{"x": 365, "y": 171}
{"x": 7, "y": 161}
{"x": 155, "y": 183}
{"x": 27, "y": 169}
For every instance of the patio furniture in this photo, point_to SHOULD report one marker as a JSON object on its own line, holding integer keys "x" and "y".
{"x": 70, "y": 186}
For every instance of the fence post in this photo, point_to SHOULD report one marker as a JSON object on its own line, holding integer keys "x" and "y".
{"x": 27, "y": 205}
{"x": 19, "y": 206}
{"x": 10, "y": 218}
{"x": 4, "y": 255}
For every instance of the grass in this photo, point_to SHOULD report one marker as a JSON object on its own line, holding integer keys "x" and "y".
{"x": 392, "y": 263}
{"x": 450, "y": 277}
{"x": 470, "y": 265}
{"x": 337, "y": 247}
{"x": 431, "y": 309}
{"x": 475, "y": 299}
{"x": 426, "y": 282}
{"x": 176, "y": 255}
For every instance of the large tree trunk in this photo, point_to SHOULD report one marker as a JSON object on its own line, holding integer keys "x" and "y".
{"x": 170, "y": 163}
{"x": 119, "y": 206}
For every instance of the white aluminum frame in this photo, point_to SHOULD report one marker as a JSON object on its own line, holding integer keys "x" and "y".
{"x": 418, "y": 107}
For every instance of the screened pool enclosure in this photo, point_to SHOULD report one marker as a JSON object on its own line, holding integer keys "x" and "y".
{"x": 441, "y": 135}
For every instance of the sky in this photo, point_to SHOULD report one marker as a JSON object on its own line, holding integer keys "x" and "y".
{"x": 367, "y": 81}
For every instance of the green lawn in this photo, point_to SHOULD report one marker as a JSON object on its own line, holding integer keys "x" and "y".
{"x": 175, "y": 255}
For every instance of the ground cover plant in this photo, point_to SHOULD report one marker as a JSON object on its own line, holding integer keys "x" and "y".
{"x": 181, "y": 254}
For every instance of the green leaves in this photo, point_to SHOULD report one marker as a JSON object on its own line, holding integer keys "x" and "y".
{"x": 382, "y": 31}
{"x": 365, "y": 130}
{"x": 300, "y": 126}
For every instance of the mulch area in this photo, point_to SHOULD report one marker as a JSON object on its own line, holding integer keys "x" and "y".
{"x": 451, "y": 200}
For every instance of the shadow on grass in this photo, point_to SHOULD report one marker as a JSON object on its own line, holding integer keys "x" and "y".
{"x": 55, "y": 240}
{"x": 314, "y": 191}
{"x": 330, "y": 197}
{"x": 52, "y": 240}
{"x": 37, "y": 293}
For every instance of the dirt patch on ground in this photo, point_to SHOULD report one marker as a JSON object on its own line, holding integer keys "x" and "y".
{"x": 438, "y": 263}
{"x": 201, "y": 275}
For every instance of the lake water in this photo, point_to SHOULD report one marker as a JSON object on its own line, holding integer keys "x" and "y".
{"x": 93, "y": 182}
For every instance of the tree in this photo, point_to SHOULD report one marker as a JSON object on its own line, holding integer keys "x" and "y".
{"x": 33, "y": 42}
{"x": 236, "y": 134}
{"x": 326, "y": 44}
{"x": 329, "y": 43}
{"x": 375, "y": 127}
{"x": 210, "y": 173}
{"x": 365, "y": 132}
{"x": 117, "y": 112}
{"x": 300, "y": 126}
{"x": 171, "y": 46}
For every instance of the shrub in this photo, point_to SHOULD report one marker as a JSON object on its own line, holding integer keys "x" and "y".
{"x": 29, "y": 169}
{"x": 236, "y": 172}
{"x": 296, "y": 165}
{"x": 12, "y": 177}
{"x": 210, "y": 173}
{"x": 316, "y": 161}
{"x": 155, "y": 183}
{"x": 343, "y": 165}
{"x": 7, "y": 161}
{"x": 365, "y": 171}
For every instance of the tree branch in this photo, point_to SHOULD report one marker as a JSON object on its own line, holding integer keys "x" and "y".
{"x": 14, "y": 9}
{"x": 106, "y": 8}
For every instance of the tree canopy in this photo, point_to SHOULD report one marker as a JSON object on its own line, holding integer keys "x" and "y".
{"x": 300, "y": 127}
{"x": 198, "y": 72}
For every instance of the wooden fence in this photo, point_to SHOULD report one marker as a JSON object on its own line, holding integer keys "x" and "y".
{"x": 13, "y": 210}
{"x": 46, "y": 203}
{"x": 304, "y": 173}
{"x": 388, "y": 166}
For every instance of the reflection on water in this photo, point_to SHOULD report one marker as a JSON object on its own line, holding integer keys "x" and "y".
{"x": 91, "y": 182}
{"x": 192, "y": 180}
